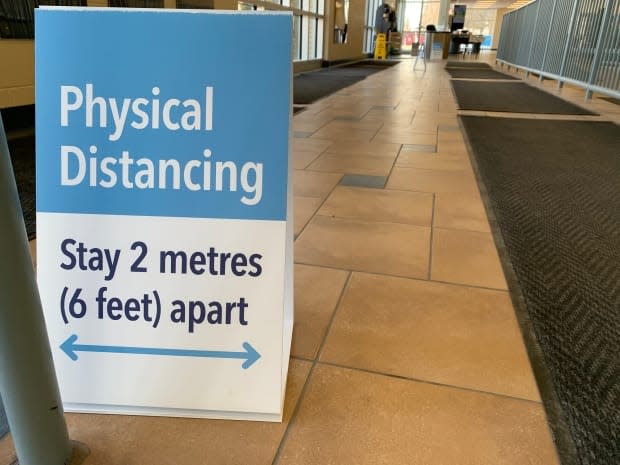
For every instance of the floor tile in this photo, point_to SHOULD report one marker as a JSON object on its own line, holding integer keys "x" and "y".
{"x": 317, "y": 291}
{"x": 379, "y": 205}
{"x": 7, "y": 451}
{"x": 302, "y": 158}
{"x": 313, "y": 183}
{"x": 414, "y": 159}
{"x": 466, "y": 257}
{"x": 419, "y": 148}
{"x": 351, "y": 417}
{"x": 456, "y": 211}
{"x": 403, "y": 137}
{"x": 306, "y": 127}
{"x": 387, "y": 115}
{"x": 355, "y": 164}
{"x": 389, "y": 248}
{"x": 344, "y": 134}
{"x": 452, "y": 149}
{"x": 364, "y": 180}
{"x": 436, "y": 332}
{"x": 134, "y": 440}
{"x": 304, "y": 209}
{"x": 363, "y": 148}
{"x": 431, "y": 181}
{"x": 351, "y": 123}
{"x": 310, "y": 145}
{"x": 33, "y": 252}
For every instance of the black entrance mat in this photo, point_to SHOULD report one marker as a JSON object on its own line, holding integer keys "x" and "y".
{"x": 553, "y": 193}
{"x": 512, "y": 97}
{"x": 467, "y": 64}
{"x": 477, "y": 73}
{"x": 312, "y": 86}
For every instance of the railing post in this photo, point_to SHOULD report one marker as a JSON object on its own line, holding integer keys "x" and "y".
{"x": 550, "y": 28}
{"x": 570, "y": 32}
{"x": 27, "y": 380}
{"x": 597, "y": 51}
{"x": 529, "y": 56}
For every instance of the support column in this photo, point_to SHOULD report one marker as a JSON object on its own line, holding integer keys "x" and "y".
{"x": 27, "y": 378}
{"x": 442, "y": 20}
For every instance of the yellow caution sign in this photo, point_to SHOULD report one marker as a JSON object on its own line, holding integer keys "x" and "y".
{"x": 380, "y": 47}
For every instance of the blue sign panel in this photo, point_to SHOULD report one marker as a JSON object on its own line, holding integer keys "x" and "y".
{"x": 141, "y": 115}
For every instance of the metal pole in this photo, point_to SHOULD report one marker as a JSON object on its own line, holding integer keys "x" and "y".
{"x": 533, "y": 38}
{"x": 568, "y": 43}
{"x": 544, "y": 61}
{"x": 597, "y": 52}
{"x": 27, "y": 378}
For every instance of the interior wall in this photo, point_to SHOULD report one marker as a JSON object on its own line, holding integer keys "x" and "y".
{"x": 16, "y": 72}
{"x": 354, "y": 47}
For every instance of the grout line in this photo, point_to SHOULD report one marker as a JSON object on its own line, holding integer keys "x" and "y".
{"x": 333, "y": 317}
{"x": 376, "y": 132}
{"x": 423, "y": 280}
{"x": 423, "y": 381}
{"x": 317, "y": 209}
{"x": 306, "y": 385}
{"x": 387, "y": 178}
{"x": 430, "y": 244}
{"x": 365, "y": 220}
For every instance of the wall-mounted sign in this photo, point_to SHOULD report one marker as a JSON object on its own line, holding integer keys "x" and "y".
{"x": 164, "y": 227}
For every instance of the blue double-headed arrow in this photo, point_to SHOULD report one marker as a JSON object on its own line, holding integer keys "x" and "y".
{"x": 70, "y": 348}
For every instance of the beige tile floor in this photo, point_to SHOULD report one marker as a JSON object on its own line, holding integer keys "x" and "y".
{"x": 406, "y": 349}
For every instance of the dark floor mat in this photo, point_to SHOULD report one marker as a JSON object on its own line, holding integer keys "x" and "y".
{"x": 467, "y": 64}
{"x": 477, "y": 73}
{"x": 553, "y": 189}
{"x": 23, "y": 160}
{"x": 310, "y": 87}
{"x": 17, "y": 118}
{"x": 512, "y": 97}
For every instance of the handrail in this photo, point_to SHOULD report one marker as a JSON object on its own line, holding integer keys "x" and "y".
{"x": 576, "y": 42}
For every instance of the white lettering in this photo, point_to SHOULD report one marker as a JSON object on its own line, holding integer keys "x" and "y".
{"x": 65, "y": 151}
{"x": 65, "y": 106}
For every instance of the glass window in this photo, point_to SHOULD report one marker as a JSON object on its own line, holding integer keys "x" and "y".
{"x": 307, "y": 40}
{"x": 195, "y": 4}
{"x": 369, "y": 29}
{"x": 481, "y": 22}
{"x": 17, "y": 16}
{"x": 318, "y": 49}
{"x": 296, "y": 44}
{"x": 136, "y": 3}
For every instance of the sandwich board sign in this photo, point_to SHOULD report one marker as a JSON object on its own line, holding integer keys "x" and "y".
{"x": 164, "y": 226}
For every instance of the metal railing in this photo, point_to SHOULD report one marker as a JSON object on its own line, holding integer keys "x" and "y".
{"x": 574, "y": 41}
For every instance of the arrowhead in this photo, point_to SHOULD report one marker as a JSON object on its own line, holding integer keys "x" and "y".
{"x": 251, "y": 356}
{"x": 69, "y": 348}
